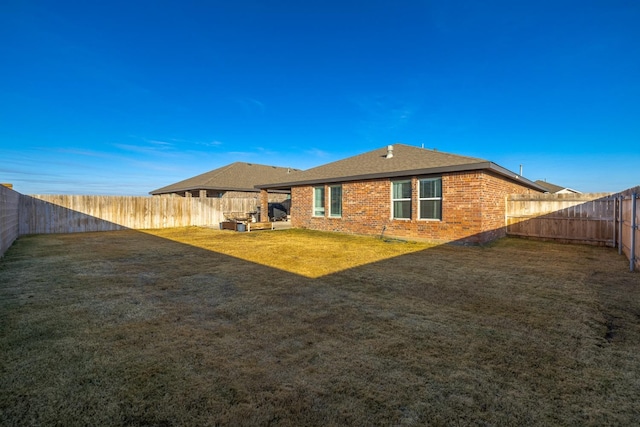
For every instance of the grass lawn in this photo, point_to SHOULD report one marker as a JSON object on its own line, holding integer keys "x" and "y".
{"x": 205, "y": 327}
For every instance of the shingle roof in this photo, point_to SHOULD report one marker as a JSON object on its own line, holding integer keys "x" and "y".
{"x": 406, "y": 161}
{"x": 238, "y": 176}
{"x": 553, "y": 188}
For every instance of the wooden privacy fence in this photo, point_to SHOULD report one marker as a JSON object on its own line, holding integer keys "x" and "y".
{"x": 570, "y": 218}
{"x": 596, "y": 218}
{"x": 628, "y": 223}
{"x": 9, "y": 205}
{"x": 71, "y": 214}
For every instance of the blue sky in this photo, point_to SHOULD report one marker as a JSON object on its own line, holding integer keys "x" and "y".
{"x": 126, "y": 97}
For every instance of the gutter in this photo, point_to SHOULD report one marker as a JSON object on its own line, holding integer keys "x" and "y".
{"x": 519, "y": 178}
{"x": 176, "y": 190}
{"x": 398, "y": 174}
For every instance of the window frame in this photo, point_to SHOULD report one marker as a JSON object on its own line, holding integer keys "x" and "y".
{"x": 333, "y": 214}
{"x": 401, "y": 199}
{"x": 436, "y": 198}
{"x": 315, "y": 208}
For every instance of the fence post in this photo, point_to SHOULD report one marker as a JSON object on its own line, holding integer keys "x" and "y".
{"x": 620, "y": 218}
{"x": 615, "y": 202}
{"x": 634, "y": 229}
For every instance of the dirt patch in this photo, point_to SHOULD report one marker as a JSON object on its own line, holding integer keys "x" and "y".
{"x": 205, "y": 327}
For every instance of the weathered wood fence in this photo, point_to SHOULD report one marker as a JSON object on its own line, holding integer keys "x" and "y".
{"x": 596, "y": 218}
{"x": 9, "y": 208}
{"x": 628, "y": 224}
{"x": 72, "y": 214}
{"x": 22, "y": 214}
{"x": 569, "y": 218}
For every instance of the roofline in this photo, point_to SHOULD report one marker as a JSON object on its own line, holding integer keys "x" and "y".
{"x": 177, "y": 190}
{"x": 443, "y": 169}
{"x": 571, "y": 189}
{"x": 221, "y": 169}
{"x": 377, "y": 175}
{"x": 246, "y": 190}
{"x": 514, "y": 176}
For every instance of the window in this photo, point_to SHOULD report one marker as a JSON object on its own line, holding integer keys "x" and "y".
{"x": 430, "y": 198}
{"x": 335, "y": 200}
{"x": 318, "y": 201}
{"x": 401, "y": 198}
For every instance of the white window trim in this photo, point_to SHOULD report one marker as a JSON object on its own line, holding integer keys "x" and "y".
{"x": 409, "y": 199}
{"x": 429, "y": 198}
{"x": 324, "y": 202}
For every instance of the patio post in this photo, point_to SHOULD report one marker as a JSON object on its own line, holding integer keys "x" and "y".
{"x": 264, "y": 205}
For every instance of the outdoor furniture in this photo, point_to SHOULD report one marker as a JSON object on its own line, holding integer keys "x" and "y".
{"x": 253, "y": 226}
{"x": 243, "y": 221}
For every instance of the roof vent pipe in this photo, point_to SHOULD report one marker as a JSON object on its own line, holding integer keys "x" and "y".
{"x": 389, "y": 151}
{"x": 520, "y": 170}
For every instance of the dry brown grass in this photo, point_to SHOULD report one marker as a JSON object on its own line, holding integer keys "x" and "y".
{"x": 304, "y": 252}
{"x": 203, "y": 327}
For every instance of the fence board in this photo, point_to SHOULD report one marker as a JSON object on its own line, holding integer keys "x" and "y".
{"x": 628, "y": 236}
{"x": 72, "y": 214}
{"x": 596, "y": 218}
{"x": 9, "y": 214}
{"x": 583, "y": 218}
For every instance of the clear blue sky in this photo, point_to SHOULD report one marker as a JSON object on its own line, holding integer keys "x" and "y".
{"x": 123, "y": 97}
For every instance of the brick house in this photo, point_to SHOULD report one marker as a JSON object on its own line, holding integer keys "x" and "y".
{"x": 405, "y": 192}
{"x": 236, "y": 180}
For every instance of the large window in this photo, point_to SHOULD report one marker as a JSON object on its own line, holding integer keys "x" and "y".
{"x": 401, "y": 198}
{"x": 318, "y": 201}
{"x": 430, "y": 198}
{"x": 335, "y": 200}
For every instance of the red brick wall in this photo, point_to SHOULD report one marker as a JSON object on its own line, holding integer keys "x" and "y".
{"x": 494, "y": 204}
{"x": 473, "y": 209}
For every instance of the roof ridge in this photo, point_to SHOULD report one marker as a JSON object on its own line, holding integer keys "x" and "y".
{"x": 438, "y": 151}
{"x": 239, "y": 176}
{"x": 392, "y": 160}
{"x": 260, "y": 164}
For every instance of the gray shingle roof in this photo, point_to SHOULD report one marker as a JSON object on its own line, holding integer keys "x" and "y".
{"x": 406, "y": 161}
{"x": 553, "y": 188}
{"x": 238, "y": 176}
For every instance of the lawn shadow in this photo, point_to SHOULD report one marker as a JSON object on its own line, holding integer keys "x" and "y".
{"x": 147, "y": 330}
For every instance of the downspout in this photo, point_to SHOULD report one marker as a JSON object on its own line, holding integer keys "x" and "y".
{"x": 634, "y": 229}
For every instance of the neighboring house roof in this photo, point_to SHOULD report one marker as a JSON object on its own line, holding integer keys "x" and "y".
{"x": 406, "y": 161}
{"x": 238, "y": 176}
{"x": 553, "y": 188}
